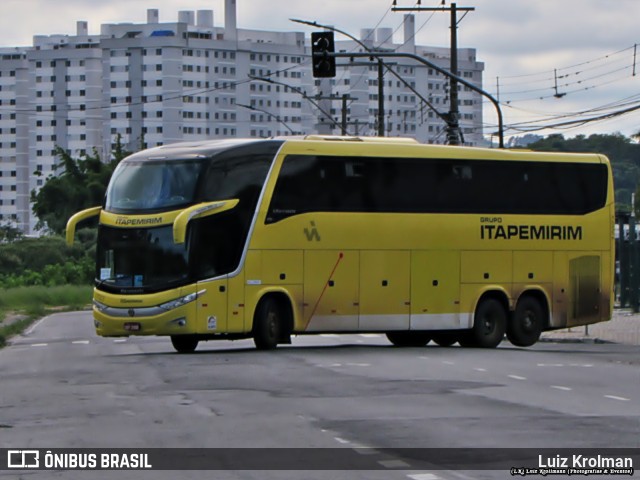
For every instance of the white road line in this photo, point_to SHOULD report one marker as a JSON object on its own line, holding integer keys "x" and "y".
{"x": 615, "y": 397}
{"x": 120, "y": 340}
{"x": 517, "y": 377}
{"x": 341, "y": 440}
{"x": 358, "y": 364}
{"x": 394, "y": 464}
{"x": 423, "y": 358}
{"x": 446, "y": 362}
{"x": 39, "y": 344}
{"x": 424, "y": 476}
{"x": 335, "y": 365}
{"x": 29, "y": 330}
{"x": 477, "y": 370}
{"x": 551, "y": 364}
{"x": 365, "y": 450}
{"x": 80, "y": 342}
{"x": 585, "y": 365}
{"x": 561, "y": 387}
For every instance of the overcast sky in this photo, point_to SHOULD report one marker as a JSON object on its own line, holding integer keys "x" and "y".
{"x": 589, "y": 42}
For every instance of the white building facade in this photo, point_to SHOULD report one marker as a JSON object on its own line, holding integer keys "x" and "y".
{"x": 158, "y": 83}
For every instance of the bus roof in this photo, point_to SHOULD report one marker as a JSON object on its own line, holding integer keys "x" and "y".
{"x": 345, "y": 145}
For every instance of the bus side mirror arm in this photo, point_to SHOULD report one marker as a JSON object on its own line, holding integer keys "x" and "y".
{"x": 77, "y": 218}
{"x": 198, "y": 211}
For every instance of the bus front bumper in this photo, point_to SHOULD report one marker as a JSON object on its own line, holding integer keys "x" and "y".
{"x": 172, "y": 318}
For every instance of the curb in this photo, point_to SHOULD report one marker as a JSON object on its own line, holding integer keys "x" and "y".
{"x": 574, "y": 340}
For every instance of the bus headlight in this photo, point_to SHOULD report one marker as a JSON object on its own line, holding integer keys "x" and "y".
{"x": 178, "y": 302}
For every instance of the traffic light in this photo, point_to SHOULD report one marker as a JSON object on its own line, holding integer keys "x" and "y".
{"x": 322, "y": 43}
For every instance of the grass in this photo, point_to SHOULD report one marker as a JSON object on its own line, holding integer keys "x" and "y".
{"x": 21, "y": 306}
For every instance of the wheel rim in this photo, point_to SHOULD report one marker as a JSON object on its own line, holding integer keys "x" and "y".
{"x": 488, "y": 324}
{"x": 528, "y": 321}
{"x": 272, "y": 324}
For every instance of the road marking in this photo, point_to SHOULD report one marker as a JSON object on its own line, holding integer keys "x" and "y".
{"x": 517, "y": 377}
{"x": 120, "y": 340}
{"x": 393, "y": 464}
{"x": 358, "y": 364}
{"x": 370, "y": 335}
{"x": 341, "y": 440}
{"x": 328, "y": 335}
{"x": 614, "y": 397}
{"x": 561, "y": 387}
{"x": 447, "y": 362}
{"x": 39, "y": 344}
{"x": 362, "y": 450}
{"x": 551, "y": 364}
{"x": 477, "y": 370}
{"x": 80, "y": 342}
{"x": 424, "y": 476}
{"x": 335, "y": 365}
{"x": 30, "y": 330}
{"x": 585, "y": 365}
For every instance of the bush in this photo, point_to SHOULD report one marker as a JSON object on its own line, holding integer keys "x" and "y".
{"x": 48, "y": 261}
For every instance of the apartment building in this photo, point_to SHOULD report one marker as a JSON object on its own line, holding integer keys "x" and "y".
{"x": 161, "y": 82}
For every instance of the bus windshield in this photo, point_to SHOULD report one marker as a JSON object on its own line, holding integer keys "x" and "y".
{"x": 140, "y": 258}
{"x": 153, "y": 185}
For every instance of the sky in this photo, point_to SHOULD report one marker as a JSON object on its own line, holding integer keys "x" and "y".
{"x": 586, "y": 46}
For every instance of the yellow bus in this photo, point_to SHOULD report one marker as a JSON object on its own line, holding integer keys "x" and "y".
{"x": 271, "y": 238}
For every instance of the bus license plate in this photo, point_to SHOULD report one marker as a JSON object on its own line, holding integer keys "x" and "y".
{"x": 132, "y": 326}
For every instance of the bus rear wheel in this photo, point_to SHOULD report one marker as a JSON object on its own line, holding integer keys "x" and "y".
{"x": 267, "y": 324}
{"x": 184, "y": 343}
{"x": 489, "y": 324}
{"x": 525, "y": 328}
{"x": 408, "y": 339}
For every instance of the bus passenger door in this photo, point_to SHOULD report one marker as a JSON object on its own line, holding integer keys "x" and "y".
{"x": 331, "y": 290}
{"x": 384, "y": 290}
{"x": 212, "y": 307}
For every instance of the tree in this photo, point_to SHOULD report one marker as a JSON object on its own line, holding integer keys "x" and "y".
{"x": 82, "y": 183}
{"x": 623, "y": 153}
{"x": 9, "y": 233}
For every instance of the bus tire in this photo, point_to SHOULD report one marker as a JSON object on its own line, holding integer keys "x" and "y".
{"x": 444, "y": 339}
{"x": 184, "y": 343}
{"x": 489, "y": 324}
{"x": 267, "y": 324}
{"x": 526, "y": 326}
{"x": 408, "y": 339}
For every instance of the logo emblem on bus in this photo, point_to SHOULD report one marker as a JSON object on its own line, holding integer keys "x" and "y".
{"x": 312, "y": 233}
{"x": 131, "y": 312}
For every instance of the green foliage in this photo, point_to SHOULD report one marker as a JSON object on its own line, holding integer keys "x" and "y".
{"x": 623, "y": 153}
{"x": 22, "y": 298}
{"x": 48, "y": 261}
{"x": 9, "y": 233}
{"x": 81, "y": 183}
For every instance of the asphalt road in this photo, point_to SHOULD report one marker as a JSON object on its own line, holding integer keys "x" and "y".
{"x": 63, "y": 387}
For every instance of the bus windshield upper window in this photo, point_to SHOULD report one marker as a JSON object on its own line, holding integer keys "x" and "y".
{"x": 153, "y": 185}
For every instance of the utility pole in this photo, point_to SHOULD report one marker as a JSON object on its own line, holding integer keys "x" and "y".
{"x": 345, "y": 97}
{"x": 454, "y": 134}
{"x": 380, "y": 99}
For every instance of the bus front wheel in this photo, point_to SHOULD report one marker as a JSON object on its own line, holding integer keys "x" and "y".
{"x": 184, "y": 343}
{"x": 408, "y": 339}
{"x": 489, "y": 325}
{"x": 267, "y": 325}
{"x": 525, "y": 328}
